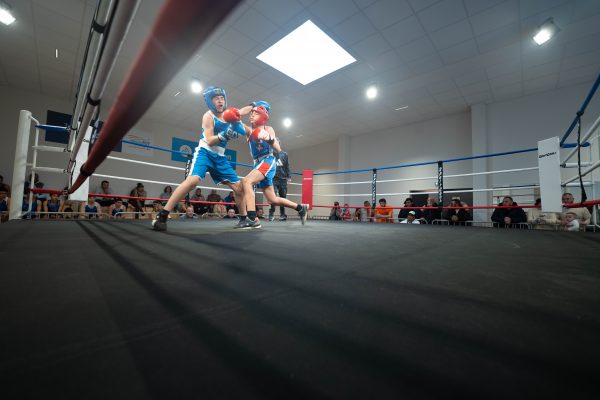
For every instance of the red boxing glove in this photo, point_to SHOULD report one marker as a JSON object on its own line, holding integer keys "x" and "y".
{"x": 261, "y": 134}
{"x": 232, "y": 114}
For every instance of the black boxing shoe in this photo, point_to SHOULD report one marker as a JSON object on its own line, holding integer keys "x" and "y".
{"x": 160, "y": 221}
{"x": 303, "y": 213}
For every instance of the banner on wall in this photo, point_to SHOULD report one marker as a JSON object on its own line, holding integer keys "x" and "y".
{"x": 188, "y": 146}
{"x": 61, "y": 119}
{"x": 141, "y": 138}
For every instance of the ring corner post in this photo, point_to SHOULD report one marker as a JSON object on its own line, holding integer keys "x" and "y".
{"x": 307, "y": 187}
{"x": 20, "y": 164}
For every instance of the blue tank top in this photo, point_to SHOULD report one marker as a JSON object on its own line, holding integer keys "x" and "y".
{"x": 220, "y": 127}
{"x": 259, "y": 148}
{"x": 118, "y": 211}
{"x": 53, "y": 207}
{"x": 91, "y": 210}
{"x": 3, "y": 206}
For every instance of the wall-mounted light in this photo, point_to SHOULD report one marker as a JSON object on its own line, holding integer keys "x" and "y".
{"x": 6, "y": 16}
{"x": 546, "y": 31}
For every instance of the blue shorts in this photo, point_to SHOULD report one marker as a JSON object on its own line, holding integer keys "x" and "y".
{"x": 267, "y": 166}
{"x": 217, "y": 166}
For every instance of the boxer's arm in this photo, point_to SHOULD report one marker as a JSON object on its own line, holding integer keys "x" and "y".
{"x": 275, "y": 143}
{"x": 208, "y": 128}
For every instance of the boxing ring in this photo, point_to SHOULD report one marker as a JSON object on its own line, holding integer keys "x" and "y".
{"x": 332, "y": 309}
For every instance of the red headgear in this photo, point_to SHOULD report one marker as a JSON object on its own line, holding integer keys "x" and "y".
{"x": 262, "y": 118}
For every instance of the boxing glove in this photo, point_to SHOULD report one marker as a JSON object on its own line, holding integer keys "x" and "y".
{"x": 231, "y": 114}
{"x": 261, "y": 133}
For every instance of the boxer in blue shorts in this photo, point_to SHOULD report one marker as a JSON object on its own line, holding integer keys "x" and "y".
{"x": 262, "y": 141}
{"x": 219, "y": 126}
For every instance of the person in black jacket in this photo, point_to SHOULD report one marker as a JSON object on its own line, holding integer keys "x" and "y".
{"x": 429, "y": 214}
{"x": 280, "y": 181}
{"x": 403, "y": 213}
{"x": 457, "y": 216}
{"x": 507, "y": 217}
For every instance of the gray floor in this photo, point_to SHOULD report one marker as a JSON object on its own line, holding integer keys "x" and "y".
{"x": 96, "y": 309}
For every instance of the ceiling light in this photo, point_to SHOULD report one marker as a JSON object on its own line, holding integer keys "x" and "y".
{"x": 6, "y": 16}
{"x": 56, "y": 53}
{"x": 287, "y": 122}
{"x": 371, "y": 92}
{"x": 177, "y": 94}
{"x": 196, "y": 87}
{"x": 306, "y": 54}
{"x": 401, "y": 108}
{"x": 546, "y": 31}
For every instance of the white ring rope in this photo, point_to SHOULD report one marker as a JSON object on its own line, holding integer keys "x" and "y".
{"x": 157, "y": 182}
{"x": 145, "y": 163}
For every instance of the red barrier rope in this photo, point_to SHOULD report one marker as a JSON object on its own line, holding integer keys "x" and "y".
{"x": 179, "y": 30}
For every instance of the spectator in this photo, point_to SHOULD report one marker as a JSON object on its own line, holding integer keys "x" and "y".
{"x": 36, "y": 179}
{"x": 366, "y": 212}
{"x": 219, "y": 210}
{"x": 189, "y": 213}
{"x": 53, "y": 207}
{"x": 167, "y": 192}
{"x": 346, "y": 215}
{"x": 91, "y": 209}
{"x": 356, "y": 216}
{"x": 69, "y": 205}
{"x": 199, "y": 208}
{"x": 582, "y": 213}
{"x": 383, "y": 213}
{"x": 105, "y": 202}
{"x": 4, "y": 203}
{"x": 41, "y": 197}
{"x": 429, "y": 214}
{"x": 508, "y": 217}
{"x": 260, "y": 213}
{"x": 409, "y": 202}
{"x": 571, "y": 223}
{"x": 230, "y": 214}
{"x": 411, "y": 218}
{"x": 213, "y": 197}
{"x": 117, "y": 209}
{"x": 457, "y": 216}
{"x": 35, "y": 205}
{"x": 4, "y": 186}
{"x": 280, "y": 182}
{"x": 138, "y": 204}
{"x": 539, "y": 219}
{"x": 231, "y": 199}
{"x": 336, "y": 213}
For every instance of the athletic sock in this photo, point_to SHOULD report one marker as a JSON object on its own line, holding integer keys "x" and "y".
{"x": 299, "y": 207}
{"x": 251, "y": 215}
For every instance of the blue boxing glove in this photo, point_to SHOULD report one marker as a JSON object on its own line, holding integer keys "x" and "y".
{"x": 234, "y": 130}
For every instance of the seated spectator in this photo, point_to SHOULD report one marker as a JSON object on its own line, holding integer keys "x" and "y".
{"x": 165, "y": 195}
{"x": 356, "y": 216}
{"x": 105, "y": 202}
{"x": 539, "y": 219}
{"x": 411, "y": 218}
{"x": 583, "y": 214}
{"x": 409, "y": 202}
{"x": 4, "y": 186}
{"x": 199, "y": 208}
{"x": 260, "y": 213}
{"x": 4, "y": 204}
{"x": 189, "y": 213}
{"x": 231, "y": 199}
{"x": 219, "y": 210}
{"x": 346, "y": 215}
{"x": 457, "y": 216}
{"x": 117, "y": 209}
{"x": 366, "y": 212}
{"x": 213, "y": 197}
{"x": 230, "y": 214}
{"x": 91, "y": 209}
{"x": 138, "y": 204}
{"x": 25, "y": 208}
{"x": 429, "y": 214}
{"x": 336, "y": 213}
{"x": 53, "y": 207}
{"x": 69, "y": 206}
{"x": 383, "y": 213}
{"x": 508, "y": 217}
{"x": 41, "y": 197}
{"x": 571, "y": 223}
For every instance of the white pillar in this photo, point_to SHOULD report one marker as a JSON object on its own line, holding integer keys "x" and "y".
{"x": 479, "y": 145}
{"x": 20, "y": 164}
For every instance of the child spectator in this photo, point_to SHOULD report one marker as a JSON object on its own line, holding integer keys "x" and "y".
{"x": 53, "y": 206}
{"x": 570, "y": 222}
{"x": 4, "y": 203}
{"x": 91, "y": 209}
{"x": 336, "y": 212}
{"x": 117, "y": 209}
{"x": 346, "y": 214}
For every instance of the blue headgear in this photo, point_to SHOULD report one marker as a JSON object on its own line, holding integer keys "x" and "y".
{"x": 266, "y": 105}
{"x": 211, "y": 92}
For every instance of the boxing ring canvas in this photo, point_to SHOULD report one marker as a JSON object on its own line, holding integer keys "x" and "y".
{"x": 326, "y": 310}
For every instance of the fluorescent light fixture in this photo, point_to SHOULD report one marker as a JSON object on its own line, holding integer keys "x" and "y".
{"x": 401, "y": 108}
{"x": 306, "y": 54}
{"x": 546, "y": 31}
{"x": 56, "y": 53}
{"x": 299, "y": 136}
{"x": 177, "y": 94}
{"x": 196, "y": 86}
{"x": 6, "y": 16}
{"x": 287, "y": 122}
{"x": 371, "y": 92}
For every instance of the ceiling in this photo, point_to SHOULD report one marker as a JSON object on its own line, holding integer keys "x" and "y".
{"x": 435, "y": 56}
